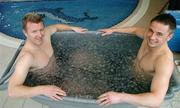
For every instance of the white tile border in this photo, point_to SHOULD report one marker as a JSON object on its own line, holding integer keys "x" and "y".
{"x": 9, "y": 41}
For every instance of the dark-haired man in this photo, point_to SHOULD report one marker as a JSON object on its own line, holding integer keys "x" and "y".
{"x": 154, "y": 57}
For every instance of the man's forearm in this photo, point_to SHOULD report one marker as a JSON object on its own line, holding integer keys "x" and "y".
{"x": 130, "y": 30}
{"x": 25, "y": 91}
{"x": 62, "y": 27}
{"x": 143, "y": 99}
{"x": 57, "y": 27}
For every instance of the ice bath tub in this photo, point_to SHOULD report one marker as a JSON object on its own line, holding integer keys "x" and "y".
{"x": 100, "y": 63}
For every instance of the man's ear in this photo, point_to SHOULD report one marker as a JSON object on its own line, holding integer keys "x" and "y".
{"x": 170, "y": 36}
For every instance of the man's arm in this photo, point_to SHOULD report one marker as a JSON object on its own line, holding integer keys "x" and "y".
{"x": 164, "y": 68}
{"x": 17, "y": 89}
{"x": 159, "y": 86}
{"x": 61, "y": 27}
{"x": 131, "y": 30}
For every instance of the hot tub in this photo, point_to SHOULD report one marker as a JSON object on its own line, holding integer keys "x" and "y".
{"x": 94, "y": 64}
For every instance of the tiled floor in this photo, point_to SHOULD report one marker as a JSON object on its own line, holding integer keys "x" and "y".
{"x": 172, "y": 103}
{"x": 7, "y": 102}
{"x": 5, "y": 55}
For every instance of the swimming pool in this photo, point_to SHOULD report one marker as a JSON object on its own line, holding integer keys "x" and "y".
{"x": 175, "y": 41}
{"x": 91, "y": 14}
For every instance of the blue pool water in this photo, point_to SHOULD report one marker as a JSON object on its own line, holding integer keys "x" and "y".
{"x": 102, "y": 13}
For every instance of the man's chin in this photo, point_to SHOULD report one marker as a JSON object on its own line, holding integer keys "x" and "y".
{"x": 39, "y": 43}
{"x": 152, "y": 45}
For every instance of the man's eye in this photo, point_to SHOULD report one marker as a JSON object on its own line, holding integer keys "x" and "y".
{"x": 159, "y": 34}
{"x": 34, "y": 31}
{"x": 150, "y": 30}
{"x": 42, "y": 30}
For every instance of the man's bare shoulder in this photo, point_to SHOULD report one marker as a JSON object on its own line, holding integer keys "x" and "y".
{"x": 165, "y": 62}
{"x": 140, "y": 31}
{"x": 25, "y": 57}
{"x": 49, "y": 30}
{"x": 166, "y": 56}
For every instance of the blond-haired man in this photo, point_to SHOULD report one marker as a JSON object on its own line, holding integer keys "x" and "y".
{"x": 34, "y": 55}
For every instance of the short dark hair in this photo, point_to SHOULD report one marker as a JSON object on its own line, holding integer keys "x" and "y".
{"x": 166, "y": 19}
{"x": 31, "y": 17}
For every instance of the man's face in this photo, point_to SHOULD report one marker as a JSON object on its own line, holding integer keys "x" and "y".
{"x": 158, "y": 34}
{"x": 35, "y": 32}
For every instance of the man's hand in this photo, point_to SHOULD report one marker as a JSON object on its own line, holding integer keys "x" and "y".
{"x": 106, "y": 31}
{"x": 109, "y": 98}
{"x": 79, "y": 29}
{"x": 53, "y": 92}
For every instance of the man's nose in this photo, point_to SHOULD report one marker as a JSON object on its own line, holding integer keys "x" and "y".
{"x": 153, "y": 36}
{"x": 40, "y": 34}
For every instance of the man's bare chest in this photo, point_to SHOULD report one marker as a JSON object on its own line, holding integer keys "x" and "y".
{"x": 145, "y": 62}
{"x": 42, "y": 59}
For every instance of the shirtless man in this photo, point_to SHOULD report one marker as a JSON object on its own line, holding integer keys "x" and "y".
{"x": 154, "y": 57}
{"x": 35, "y": 54}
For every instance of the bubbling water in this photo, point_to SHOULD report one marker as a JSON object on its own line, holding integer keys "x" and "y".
{"x": 87, "y": 66}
